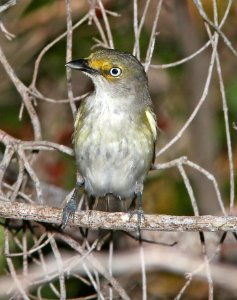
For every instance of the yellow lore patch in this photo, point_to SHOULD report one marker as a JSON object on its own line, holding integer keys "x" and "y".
{"x": 103, "y": 66}
{"x": 100, "y": 65}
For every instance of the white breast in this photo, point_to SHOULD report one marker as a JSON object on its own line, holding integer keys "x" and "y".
{"x": 116, "y": 156}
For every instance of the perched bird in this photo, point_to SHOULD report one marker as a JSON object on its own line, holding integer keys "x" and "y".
{"x": 115, "y": 129}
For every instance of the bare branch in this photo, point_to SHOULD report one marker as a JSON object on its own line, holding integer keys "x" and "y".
{"x": 23, "y": 91}
{"x": 195, "y": 111}
{"x": 7, "y": 34}
{"x": 204, "y": 47}
{"x": 118, "y": 221}
{"x": 156, "y": 258}
{"x": 7, "y": 5}
{"x": 107, "y": 26}
{"x": 59, "y": 266}
{"x": 50, "y": 45}
{"x": 12, "y": 142}
{"x": 151, "y": 45}
{"x": 143, "y": 271}
{"x": 92, "y": 16}
{"x": 35, "y": 93}
{"x": 137, "y": 31}
{"x": 69, "y": 58}
{"x": 12, "y": 268}
{"x": 217, "y": 29}
{"x": 227, "y": 126}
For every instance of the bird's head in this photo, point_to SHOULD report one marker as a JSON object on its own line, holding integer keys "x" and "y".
{"x": 112, "y": 68}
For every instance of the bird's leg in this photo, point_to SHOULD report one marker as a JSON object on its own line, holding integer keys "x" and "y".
{"x": 71, "y": 206}
{"x": 124, "y": 206}
{"x": 92, "y": 202}
{"x": 138, "y": 210}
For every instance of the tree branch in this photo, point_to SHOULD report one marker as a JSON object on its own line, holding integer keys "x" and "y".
{"x": 118, "y": 221}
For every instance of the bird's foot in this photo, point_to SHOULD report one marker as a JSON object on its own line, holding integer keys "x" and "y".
{"x": 140, "y": 216}
{"x": 68, "y": 212}
{"x": 71, "y": 206}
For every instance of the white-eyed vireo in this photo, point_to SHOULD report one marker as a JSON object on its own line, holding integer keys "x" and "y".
{"x": 115, "y": 128}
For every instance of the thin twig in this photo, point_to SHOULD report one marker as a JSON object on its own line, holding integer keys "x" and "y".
{"x": 23, "y": 91}
{"x": 69, "y": 58}
{"x": 209, "y": 22}
{"x": 207, "y": 265}
{"x": 136, "y": 44}
{"x": 227, "y": 129}
{"x": 195, "y": 111}
{"x": 32, "y": 174}
{"x": 151, "y": 44}
{"x": 59, "y": 265}
{"x": 189, "y": 189}
{"x": 200, "y": 50}
{"x": 106, "y": 22}
{"x": 11, "y": 266}
{"x": 50, "y": 45}
{"x": 35, "y": 93}
{"x": 143, "y": 271}
{"x": 9, "y": 151}
{"x": 8, "y": 4}
{"x": 111, "y": 252}
{"x": 136, "y": 49}
{"x": 96, "y": 265}
{"x": 93, "y": 16}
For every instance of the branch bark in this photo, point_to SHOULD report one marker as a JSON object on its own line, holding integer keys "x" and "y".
{"x": 118, "y": 221}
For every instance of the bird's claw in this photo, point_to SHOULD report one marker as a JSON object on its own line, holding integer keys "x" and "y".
{"x": 140, "y": 215}
{"x": 68, "y": 212}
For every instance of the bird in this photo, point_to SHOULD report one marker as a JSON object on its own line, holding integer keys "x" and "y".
{"x": 115, "y": 129}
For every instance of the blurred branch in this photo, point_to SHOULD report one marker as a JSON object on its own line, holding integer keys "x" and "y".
{"x": 7, "y": 34}
{"x": 7, "y": 5}
{"x": 156, "y": 258}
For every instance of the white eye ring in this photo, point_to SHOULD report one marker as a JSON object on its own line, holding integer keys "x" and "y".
{"x": 115, "y": 72}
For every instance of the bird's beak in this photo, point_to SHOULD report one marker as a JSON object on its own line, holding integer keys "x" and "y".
{"x": 82, "y": 65}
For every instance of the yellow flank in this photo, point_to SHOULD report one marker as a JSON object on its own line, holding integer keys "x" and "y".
{"x": 152, "y": 122}
{"x": 77, "y": 119}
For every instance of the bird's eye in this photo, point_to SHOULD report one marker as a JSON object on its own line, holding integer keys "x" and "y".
{"x": 115, "y": 72}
